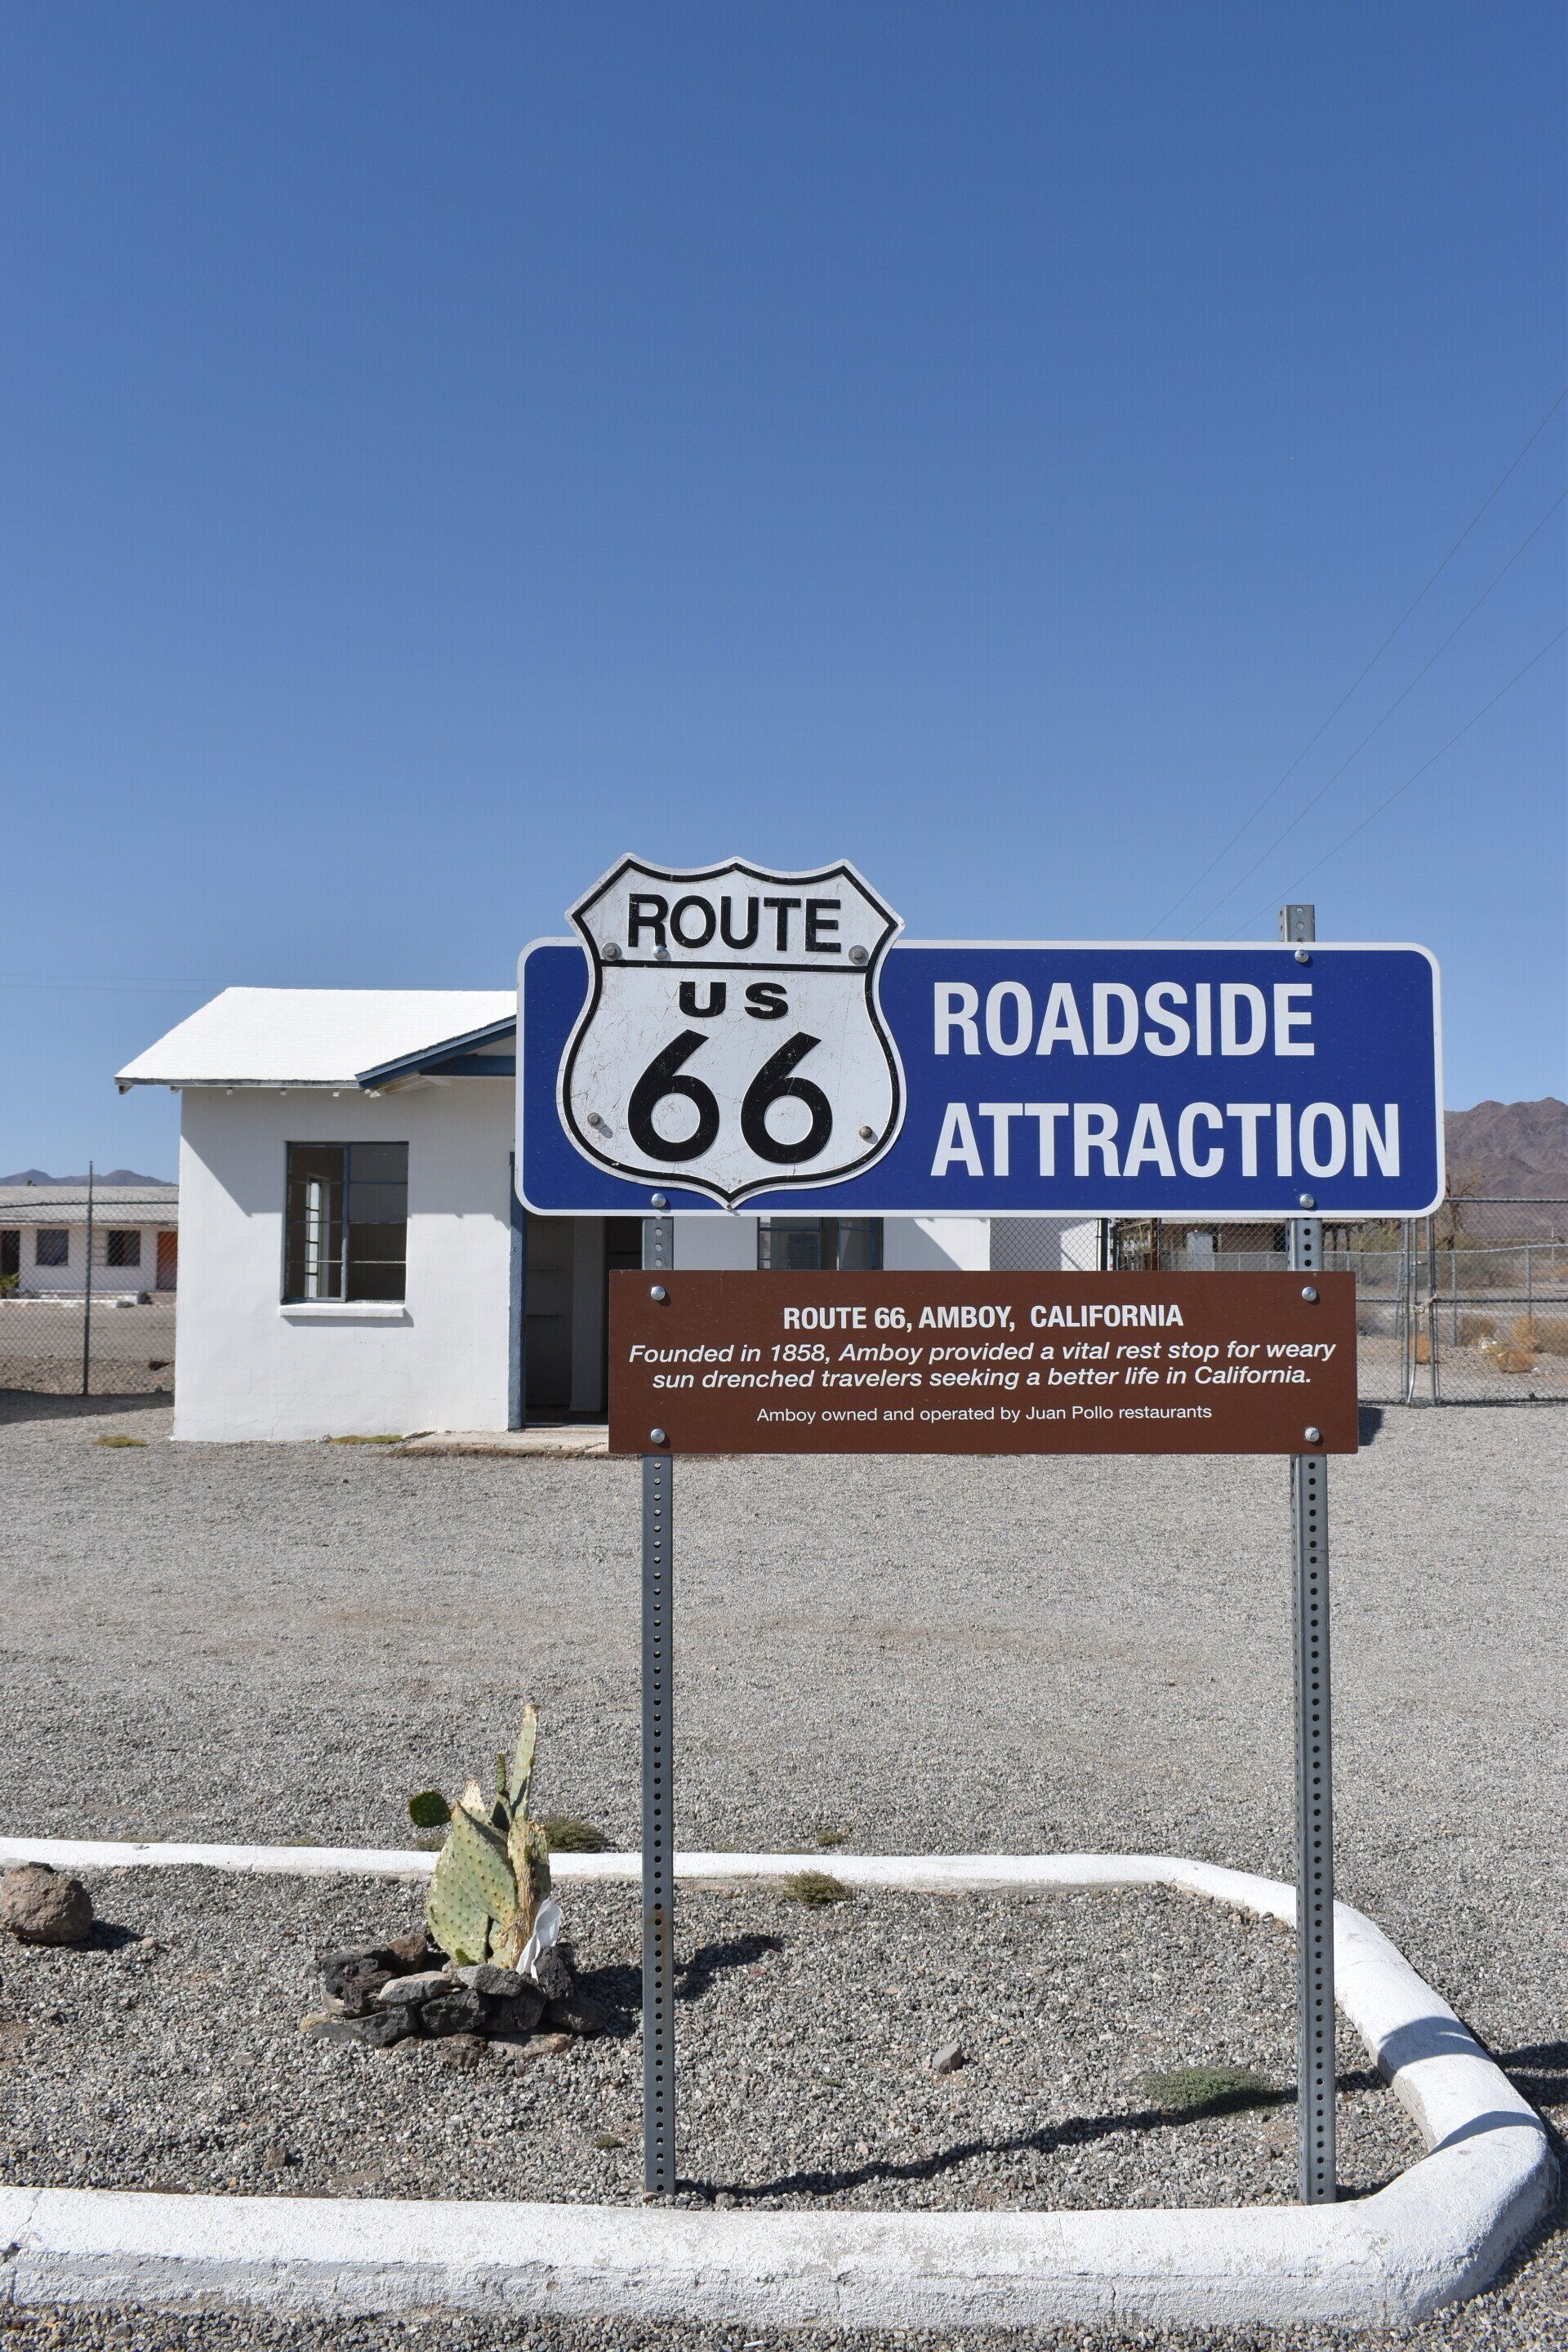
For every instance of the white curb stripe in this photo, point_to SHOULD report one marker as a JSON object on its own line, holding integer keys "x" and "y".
{"x": 1437, "y": 2233}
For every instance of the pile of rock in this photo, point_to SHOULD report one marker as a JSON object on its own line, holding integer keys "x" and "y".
{"x": 382, "y": 1995}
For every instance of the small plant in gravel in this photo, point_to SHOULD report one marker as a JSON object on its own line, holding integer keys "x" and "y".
{"x": 1211, "y": 2090}
{"x": 493, "y": 1871}
{"x": 381, "y": 1437}
{"x": 815, "y": 1888}
{"x": 118, "y": 1440}
{"x": 569, "y": 1834}
{"x": 832, "y": 1837}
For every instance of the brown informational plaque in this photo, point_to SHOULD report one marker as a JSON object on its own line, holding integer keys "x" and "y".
{"x": 982, "y": 1363}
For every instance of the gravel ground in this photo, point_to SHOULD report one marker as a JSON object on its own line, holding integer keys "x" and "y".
{"x": 805, "y": 2050}
{"x": 279, "y": 1642}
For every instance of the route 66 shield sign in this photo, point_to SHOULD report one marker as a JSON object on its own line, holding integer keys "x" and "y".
{"x": 733, "y": 1042}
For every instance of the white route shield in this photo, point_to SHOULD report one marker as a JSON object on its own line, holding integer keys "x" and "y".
{"x": 733, "y": 1042}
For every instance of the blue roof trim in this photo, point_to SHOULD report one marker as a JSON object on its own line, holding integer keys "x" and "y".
{"x": 444, "y": 1050}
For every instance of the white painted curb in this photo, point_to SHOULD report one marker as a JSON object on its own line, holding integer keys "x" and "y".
{"x": 1438, "y": 2232}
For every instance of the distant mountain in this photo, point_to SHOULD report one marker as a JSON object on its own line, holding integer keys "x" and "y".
{"x": 101, "y": 1176}
{"x": 1515, "y": 1149}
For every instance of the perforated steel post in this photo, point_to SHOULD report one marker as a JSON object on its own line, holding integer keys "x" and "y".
{"x": 1314, "y": 1760}
{"x": 657, "y": 1785}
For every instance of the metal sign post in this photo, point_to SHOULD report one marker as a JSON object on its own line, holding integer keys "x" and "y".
{"x": 657, "y": 1778}
{"x": 1314, "y": 1755}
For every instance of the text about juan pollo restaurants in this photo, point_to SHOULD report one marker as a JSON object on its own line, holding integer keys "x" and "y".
{"x": 982, "y": 1363}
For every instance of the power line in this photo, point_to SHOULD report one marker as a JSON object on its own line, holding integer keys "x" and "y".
{"x": 1403, "y": 694}
{"x": 1275, "y": 789}
{"x": 1416, "y": 773}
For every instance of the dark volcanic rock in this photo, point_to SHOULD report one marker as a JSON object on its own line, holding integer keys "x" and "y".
{"x": 378, "y": 2031}
{"x": 457, "y": 2012}
{"x": 409, "y": 1955}
{"x": 496, "y": 1984}
{"x": 516, "y": 2015}
{"x": 355, "y": 1978}
{"x": 553, "y": 1973}
{"x": 577, "y": 2014}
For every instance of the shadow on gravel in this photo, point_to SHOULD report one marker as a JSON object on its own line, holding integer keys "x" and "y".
{"x": 696, "y": 1975}
{"x": 1078, "y": 2131}
{"x": 1540, "y": 2071}
{"x": 36, "y": 1404}
{"x": 1369, "y": 1424}
{"x": 618, "y": 1990}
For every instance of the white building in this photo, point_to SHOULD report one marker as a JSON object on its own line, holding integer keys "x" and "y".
{"x": 354, "y": 1259}
{"x": 44, "y": 1234}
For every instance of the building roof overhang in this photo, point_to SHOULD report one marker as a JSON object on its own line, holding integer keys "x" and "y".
{"x": 332, "y": 1039}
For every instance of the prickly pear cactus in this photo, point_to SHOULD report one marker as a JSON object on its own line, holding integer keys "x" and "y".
{"x": 493, "y": 1872}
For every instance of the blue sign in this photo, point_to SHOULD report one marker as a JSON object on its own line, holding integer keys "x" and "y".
{"x": 722, "y": 1044}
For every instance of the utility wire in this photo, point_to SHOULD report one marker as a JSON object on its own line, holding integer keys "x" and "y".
{"x": 1275, "y": 789}
{"x": 1416, "y": 773}
{"x": 1402, "y": 696}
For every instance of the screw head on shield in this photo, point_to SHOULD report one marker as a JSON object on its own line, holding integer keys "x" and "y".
{"x": 1308, "y": 1201}
{"x": 865, "y": 1133}
{"x": 858, "y": 955}
{"x": 660, "y": 1199}
{"x": 1312, "y": 1435}
{"x": 656, "y": 1437}
{"x": 660, "y": 1292}
{"x": 1303, "y": 957}
{"x": 1310, "y": 1294}
{"x": 611, "y": 952}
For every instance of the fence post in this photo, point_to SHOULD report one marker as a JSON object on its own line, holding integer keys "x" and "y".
{"x": 86, "y": 1298}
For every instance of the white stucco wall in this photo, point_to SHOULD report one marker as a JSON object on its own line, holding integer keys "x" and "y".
{"x": 909, "y": 1244}
{"x": 248, "y": 1367}
{"x": 936, "y": 1246}
{"x": 721, "y": 1243}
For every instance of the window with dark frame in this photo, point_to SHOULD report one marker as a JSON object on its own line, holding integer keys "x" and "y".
{"x": 819, "y": 1245}
{"x": 121, "y": 1246}
{"x": 346, "y": 1223}
{"x": 53, "y": 1246}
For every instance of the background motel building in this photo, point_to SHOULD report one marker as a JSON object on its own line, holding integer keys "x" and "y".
{"x": 353, "y": 1260}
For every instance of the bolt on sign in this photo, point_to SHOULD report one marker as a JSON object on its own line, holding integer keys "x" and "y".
{"x": 732, "y": 1037}
{"x": 982, "y": 1363}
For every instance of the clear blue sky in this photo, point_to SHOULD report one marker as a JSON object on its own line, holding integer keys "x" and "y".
{"x": 444, "y": 447}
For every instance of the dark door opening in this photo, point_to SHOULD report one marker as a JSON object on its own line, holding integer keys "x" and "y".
{"x": 550, "y": 1254}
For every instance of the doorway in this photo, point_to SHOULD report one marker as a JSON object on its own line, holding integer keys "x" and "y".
{"x": 551, "y": 1256}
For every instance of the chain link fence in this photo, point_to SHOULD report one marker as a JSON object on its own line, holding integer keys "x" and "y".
{"x": 1469, "y": 1306}
{"x": 87, "y": 1279}
{"x": 1490, "y": 1303}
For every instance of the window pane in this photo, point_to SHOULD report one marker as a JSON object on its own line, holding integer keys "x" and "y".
{"x": 121, "y": 1248}
{"x": 860, "y": 1244}
{"x": 379, "y": 1163}
{"x": 313, "y": 1246}
{"x": 53, "y": 1247}
{"x": 790, "y": 1245}
{"x": 377, "y": 1220}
